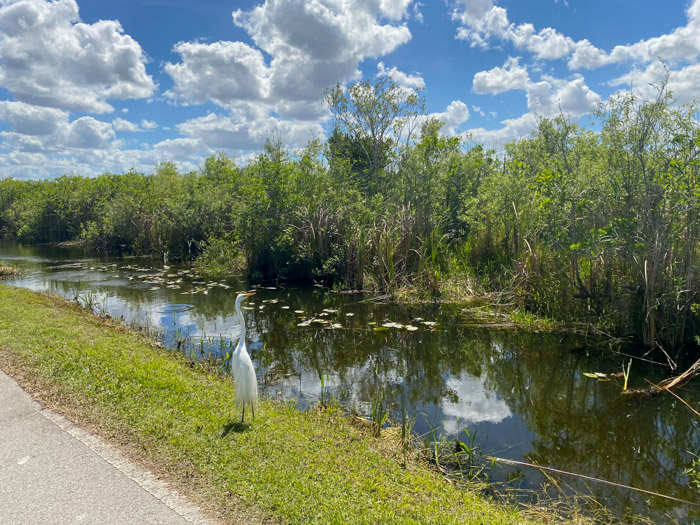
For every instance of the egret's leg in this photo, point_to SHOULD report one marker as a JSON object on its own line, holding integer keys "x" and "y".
{"x": 252, "y": 408}
{"x": 243, "y": 413}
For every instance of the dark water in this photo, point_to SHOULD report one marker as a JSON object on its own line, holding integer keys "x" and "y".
{"x": 523, "y": 394}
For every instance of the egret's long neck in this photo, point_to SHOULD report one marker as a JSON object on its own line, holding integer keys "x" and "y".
{"x": 241, "y": 323}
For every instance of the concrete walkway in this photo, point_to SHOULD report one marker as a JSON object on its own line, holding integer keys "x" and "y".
{"x": 52, "y": 472}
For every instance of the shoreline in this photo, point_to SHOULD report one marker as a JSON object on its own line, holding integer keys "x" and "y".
{"x": 106, "y": 378}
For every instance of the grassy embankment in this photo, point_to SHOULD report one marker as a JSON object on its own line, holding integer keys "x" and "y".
{"x": 178, "y": 419}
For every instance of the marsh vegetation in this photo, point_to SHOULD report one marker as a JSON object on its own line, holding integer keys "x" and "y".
{"x": 589, "y": 225}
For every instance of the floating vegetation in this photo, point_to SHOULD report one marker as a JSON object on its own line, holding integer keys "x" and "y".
{"x": 600, "y": 376}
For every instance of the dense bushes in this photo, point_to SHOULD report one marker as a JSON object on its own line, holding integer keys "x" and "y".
{"x": 571, "y": 223}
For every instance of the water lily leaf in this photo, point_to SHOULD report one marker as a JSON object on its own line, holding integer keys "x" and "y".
{"x": 335, "y": 326}
{"x": 305, "y": 323}
{"x": 429, "y": 323}
{"x": 349, "y": 314}
{"x": 381, "y": 329}
{"x": 411, "y": 328}
{"x": 298, "y": 311}
{"x": 588, "y": 374}
{"x": 285, "y": 308}
{"x": 393, "y": 325}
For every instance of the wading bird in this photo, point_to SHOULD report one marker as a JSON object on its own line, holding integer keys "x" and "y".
{"x": 245, "y": 382}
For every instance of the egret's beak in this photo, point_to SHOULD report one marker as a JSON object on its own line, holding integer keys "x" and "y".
{"x": 249, "y": 294}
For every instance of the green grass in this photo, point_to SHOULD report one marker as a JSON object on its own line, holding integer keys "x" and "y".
{"x": 178, "y": 419}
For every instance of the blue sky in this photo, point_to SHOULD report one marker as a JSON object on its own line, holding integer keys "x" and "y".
{"x": 88, "y": 86}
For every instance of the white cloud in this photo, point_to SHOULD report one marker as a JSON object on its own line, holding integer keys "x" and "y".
{"x": 182, "y": 148}
{"x": 404, "y": 80}
{"x": 546, "y": 98}
{"x": 394, "y": 9}
{"x": 120, "y": 124}
{"x": 310, "y": 45}
{"x": 38, "y": 129}
{"x": 49, "y": 58}
{"x": 31, "y": 120}
{"x": 512, "y": 129}
{"x": 481, "y": 21}
{"x": 246, "y": 129}
{"x": 417, "y": 13}
{"x": 148, "y": 124}
{"x": 681, "y": 44}
{"x": 586, "y": 55}
{"x": 683, "y": 83}
{"x": 455, "y": 114}
{"x": 86, "y": 133}
{"x": 223, "y": 72}
{"x": 498, "y": 80}
{"x": 324, "y": 30}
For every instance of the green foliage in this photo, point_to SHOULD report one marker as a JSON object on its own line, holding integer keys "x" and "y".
{"x": 693, "y": 472}
{"x": 569, "y": 224}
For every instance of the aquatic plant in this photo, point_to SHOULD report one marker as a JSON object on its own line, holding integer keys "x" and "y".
{"x": 380, "y": 412}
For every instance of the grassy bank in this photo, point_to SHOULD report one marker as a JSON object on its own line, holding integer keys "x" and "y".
{"x": 179, "y": 420}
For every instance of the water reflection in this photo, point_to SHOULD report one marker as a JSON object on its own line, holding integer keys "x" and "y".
{"x": 524, "y": 394}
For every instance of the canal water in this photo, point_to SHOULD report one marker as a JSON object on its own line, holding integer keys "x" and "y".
{"x": 517, "y": 395}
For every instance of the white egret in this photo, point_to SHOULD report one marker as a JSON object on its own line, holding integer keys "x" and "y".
{"x": 245, "y": 382}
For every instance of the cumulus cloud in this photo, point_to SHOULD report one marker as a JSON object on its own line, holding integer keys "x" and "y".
{"x": 500, "y": 79}
{"x": 182, "y": 149}
{"x": 456, "y": 114}
{"x": 246, "y": 129}
{"x": 681, "y": 44}
{"x": 324, "y": 39}
{"x": 223, "y": 72}
{"x": 148, "y": 124}
{"x": 481, "y": 22}
{"x": 48, "y": 57}
{"x": 38, "y": 129}
{"x": 546, "y": 98}
{"x": 683, "y": 82}
{"x": 120, "y": 124}
{"x": 404, "y": 80}
{"x": 32, "y": 120}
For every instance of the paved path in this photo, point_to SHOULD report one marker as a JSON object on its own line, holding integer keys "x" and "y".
{"x": 52, "y": 472}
